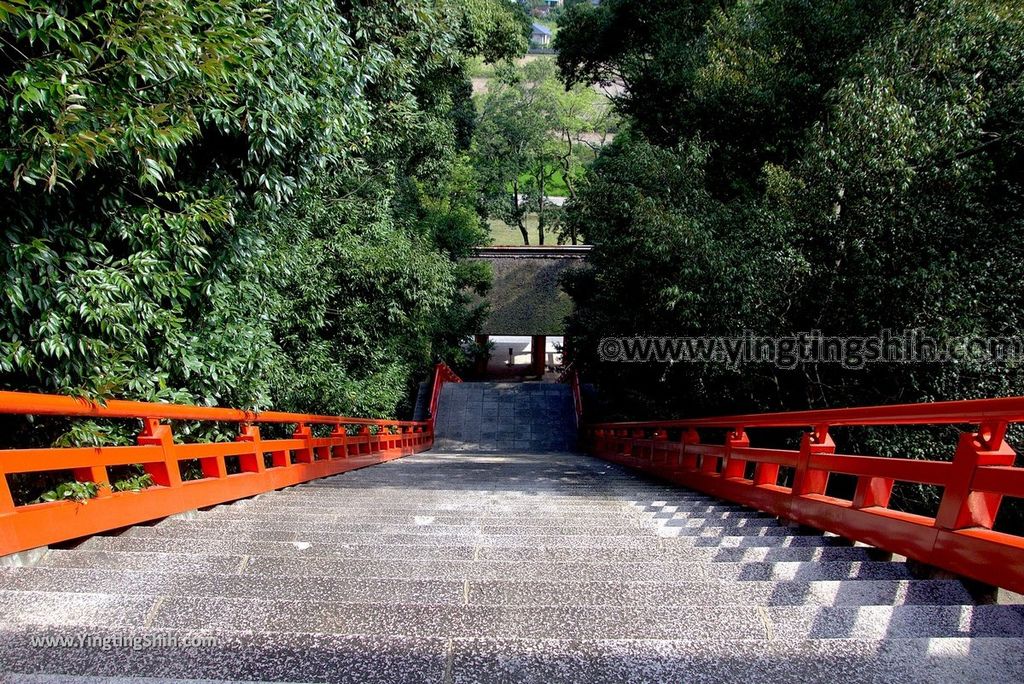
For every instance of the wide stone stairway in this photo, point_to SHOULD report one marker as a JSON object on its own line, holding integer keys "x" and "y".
{"x": 505, "y": 417}
{"x": 443, "y": 567}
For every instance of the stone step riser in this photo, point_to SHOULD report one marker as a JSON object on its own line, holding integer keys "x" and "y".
{"x": 298, "y": 548}
{"x": 718, "y": 623}
{"x": 386, "y": 660}
{"x": 321, "y": 566}
{"x": 698, "y": 537}
{"x": 728, "y": 540}
{"x": 497, "y": 593}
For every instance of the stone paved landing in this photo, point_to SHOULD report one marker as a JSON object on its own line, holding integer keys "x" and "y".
{"x": 523, "y": 417}
{"x": 459, "y": 567}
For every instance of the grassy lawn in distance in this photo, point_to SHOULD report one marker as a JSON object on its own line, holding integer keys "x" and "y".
{"x": 504, "y": 235}
{"x": 555, "y": 187}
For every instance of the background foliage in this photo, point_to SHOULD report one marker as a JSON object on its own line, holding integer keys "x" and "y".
{"x": 535, "y": 138}
{"x": 843, "y": 166}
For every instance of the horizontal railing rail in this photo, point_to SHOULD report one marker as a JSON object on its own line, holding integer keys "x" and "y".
{"x": 792, "y": 483}
{"x": 250, "y": 465}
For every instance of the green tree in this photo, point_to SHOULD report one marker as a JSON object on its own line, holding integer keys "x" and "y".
{"x": 511, "y": 130}
{"x": 849, "y": 166}
{"x": 531, "y": 130}
{"x": 238, "y": 202}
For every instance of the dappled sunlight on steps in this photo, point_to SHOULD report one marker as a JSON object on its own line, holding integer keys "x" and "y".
{"x": 467, "y": 567}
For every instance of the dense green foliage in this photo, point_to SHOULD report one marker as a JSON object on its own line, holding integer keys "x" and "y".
{"x": 239, "y": 202}
{"x": 845, "y": 166}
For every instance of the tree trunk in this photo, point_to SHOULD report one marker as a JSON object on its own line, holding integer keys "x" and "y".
{"x": 566, "y": 168}
{"x": 540, "y": 208}
{"x": 516, "y": 212}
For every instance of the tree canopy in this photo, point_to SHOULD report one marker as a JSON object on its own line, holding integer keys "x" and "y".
{"x": 845, "y": 166}
{"x": 239, "y": 202}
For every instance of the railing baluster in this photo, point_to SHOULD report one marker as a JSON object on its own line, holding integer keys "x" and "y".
{"x": 872, "y": 491}
{"x": 689, "y": 460}
{"x": 807, "y": 480}
{"x": 251, "y": 463}
{"x": 734, "y": 467}
{"x": 6, "y": 498}
{"x": 166, "y": 473}
{"x": 339, "y": 450}
{"x": 97, "y": 474}
{"x": 960, "y": 506}
{"x": 305, "y": 433}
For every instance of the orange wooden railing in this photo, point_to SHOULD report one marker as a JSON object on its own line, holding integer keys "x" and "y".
{"x": 442, "y": 374}
{"x": 570, "y": 376}
{"x": 959, "y": 538}
{"x": 265, "y": 464}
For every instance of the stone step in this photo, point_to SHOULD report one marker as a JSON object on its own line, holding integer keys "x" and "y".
{"x": 520, "y": 521}
{"x": 470, "y": 552}
{"x": 489, "y": 515}
{"x": 391, "y": 506}
{"x": 726, "y": 540}
{"x": 234, "y": 656}
{"x": 424, "y": 525}
{"x": 907, "y": 661}
{"x": 327, "y": 566}
{"x": 493, "y": 527}
{"x": 319, "y": 508}
{"x": 710, "y": 592}
{"x": 384, "y": 660}
{"x": 340, "y": 509}
{"x": 323, "y": 533}
{"x": 710, "y": 623}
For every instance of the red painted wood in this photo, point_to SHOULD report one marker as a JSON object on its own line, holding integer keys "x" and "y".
{"x": 958, "y": 539}
{"x": 29, "y": 526}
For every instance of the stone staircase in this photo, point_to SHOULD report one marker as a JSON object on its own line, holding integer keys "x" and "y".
{"x": 444, "y": 567}
{"x": 509, "y": 417}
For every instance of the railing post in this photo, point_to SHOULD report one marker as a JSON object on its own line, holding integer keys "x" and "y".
{"x": 807, "y": 480}
{"x": 6, "y": 498}
{"x": 961, "y": 507}
{"x": 339, "y": 450}
{"x": 659, "y": 435}
{"x": 251, "y": 463}
{"x": 734, "y": 468}
{"x": 304, "y": 433}
{"x": 166, "y": 473}
{"x": 689, "y": 461}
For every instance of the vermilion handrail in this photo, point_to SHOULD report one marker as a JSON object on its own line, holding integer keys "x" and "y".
{"x": 442, "y": 374}
{"x": 571, "y": 377}
{"x": 971, "y": 411}
{"x": 264, "y": 464}
{"x": 959, "y": 538}
{"x": 60, "y": 405}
